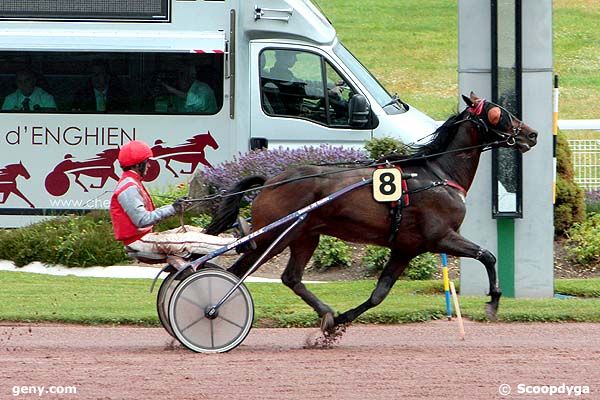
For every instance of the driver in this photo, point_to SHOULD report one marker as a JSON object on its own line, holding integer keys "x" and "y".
{"x": 133, "y": 214}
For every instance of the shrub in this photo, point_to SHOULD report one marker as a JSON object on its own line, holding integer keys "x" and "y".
{"x": 74, "y": 241}
{"x": 379, "y": 147}
{"x": 592, "y": 201}
{"x": 569, "y": 207}
{"x": 584, "y": 241}
{"x": 332, "y": 252}
{"x": 375, "y": 258}
{"x": 269, "y": 163}
{"x": 420, "y": 268}
{"x": 168, "y": 196}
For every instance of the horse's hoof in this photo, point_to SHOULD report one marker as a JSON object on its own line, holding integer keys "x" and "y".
{"x": 327, "y": 323}
{"x": 491, "y": 311}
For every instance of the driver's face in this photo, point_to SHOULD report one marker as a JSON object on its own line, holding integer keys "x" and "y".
{"x": 146, "y": 168}
{"x": 25, "y": 83}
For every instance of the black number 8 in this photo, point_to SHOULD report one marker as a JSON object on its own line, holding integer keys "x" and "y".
{"x": 387, "y": 186}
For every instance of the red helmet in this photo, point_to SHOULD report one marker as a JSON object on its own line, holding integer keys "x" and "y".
{"x": 133, "y": 153}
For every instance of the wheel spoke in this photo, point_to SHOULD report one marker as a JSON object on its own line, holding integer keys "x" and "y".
{"x": 231, "y": 322}
{"x": 192, "y": 302}
{"x": 212, "y": 334}
{"x": 192, "y": 324}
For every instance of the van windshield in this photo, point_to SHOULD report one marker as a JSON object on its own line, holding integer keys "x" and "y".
{"x": 382, "y": 97}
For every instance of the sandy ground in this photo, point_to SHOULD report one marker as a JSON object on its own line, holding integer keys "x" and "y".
{"x": 412, "y": 361}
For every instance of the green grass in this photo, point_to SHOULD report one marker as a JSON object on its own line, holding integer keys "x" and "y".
{"x": 578, "y": 287}
{"x": 411, "y": 47}
{"x": 32, "y": 298}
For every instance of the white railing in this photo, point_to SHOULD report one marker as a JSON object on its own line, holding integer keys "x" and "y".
{"x": 586, "y": 153}
{"x": 586, "y": 162}
{"x": 578, "y": 124}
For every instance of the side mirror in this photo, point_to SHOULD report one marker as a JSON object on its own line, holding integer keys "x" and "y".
{"x": 358, "y": 111}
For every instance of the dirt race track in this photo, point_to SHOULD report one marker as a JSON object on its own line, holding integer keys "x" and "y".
{"x": 413, "y": 361}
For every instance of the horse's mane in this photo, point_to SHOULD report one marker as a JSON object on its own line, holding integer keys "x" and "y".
{"x": 442, "y": 137}
{"x": 4, "y": 171}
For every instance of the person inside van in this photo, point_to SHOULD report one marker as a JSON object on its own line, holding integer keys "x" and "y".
{"x": 280, "y": 71}
{"x": 291, "y": 89}
{"x": 102, "y": 92}
{"x": 190, "y": 95}
{"x": 28, "y": 97}
{"x": 133, "y": 215}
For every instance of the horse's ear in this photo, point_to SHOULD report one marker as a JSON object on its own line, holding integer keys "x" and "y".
{"x": 494, "y": 115}
{"x": 468, "y": 101}
{"x": 474, "y": 98}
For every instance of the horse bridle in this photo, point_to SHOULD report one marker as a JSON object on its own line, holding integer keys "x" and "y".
{"x": 509, "y": 139}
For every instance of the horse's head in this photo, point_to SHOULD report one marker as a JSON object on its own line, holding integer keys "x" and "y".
{"x": 500, "y": 125}
{"x": 21, "y": 170}
{"x": 210, "y": 141}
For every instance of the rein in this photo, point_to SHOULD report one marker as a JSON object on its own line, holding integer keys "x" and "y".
{"x": 485, "y": 147}
{"x": 474, "y": 113}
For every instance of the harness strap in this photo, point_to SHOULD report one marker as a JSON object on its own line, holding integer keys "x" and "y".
{"x": 478, "y": 108}
{"x": 456, "y": 186}
{"x": 396, "y": 207}
{"x": 444, "y": 182}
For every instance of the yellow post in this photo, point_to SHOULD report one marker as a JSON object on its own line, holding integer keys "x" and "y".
{"x": 461, "y": 327}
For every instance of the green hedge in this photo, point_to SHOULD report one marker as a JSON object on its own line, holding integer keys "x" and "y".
{"x": 569, "y": 208}
{"x": 74, "y": 241}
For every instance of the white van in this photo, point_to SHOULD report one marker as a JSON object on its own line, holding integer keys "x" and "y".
{"x": 199, "y": 80}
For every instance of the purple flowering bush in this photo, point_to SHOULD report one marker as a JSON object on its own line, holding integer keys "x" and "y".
{"x": 269, "y": 163}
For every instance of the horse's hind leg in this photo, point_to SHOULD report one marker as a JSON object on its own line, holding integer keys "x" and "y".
{"x": 241, "y": 266}
{"x": 247, "y": 260}
{"x": 300, "y": 253}
{"x": 392, "y": 270}
{"x": 167, "y": 166}
{"x": 456, "y": 245}
{"x": 77, "y": 181}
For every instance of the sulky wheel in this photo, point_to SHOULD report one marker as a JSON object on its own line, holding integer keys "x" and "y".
{"x": 191, "y": 321}
{"x": 165, "y": 291}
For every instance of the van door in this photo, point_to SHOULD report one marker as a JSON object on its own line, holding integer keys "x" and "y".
{"x": 298, "y": 97}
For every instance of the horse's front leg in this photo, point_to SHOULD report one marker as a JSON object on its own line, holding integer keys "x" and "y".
{"x": 17, "y": 192}
{"x": 193, "y": 166}
{"x": 456, "y": 245}
{"x": 392, "y": 270}
{"x": 300, "y": 253}
{"x": 101, "y": 184}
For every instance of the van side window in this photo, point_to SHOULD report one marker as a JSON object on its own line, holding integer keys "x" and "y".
{"x": 111, "y": 83}
{"x": 293, "y": 85}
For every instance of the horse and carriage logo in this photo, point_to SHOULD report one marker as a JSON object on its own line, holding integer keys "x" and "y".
{"x": 8, "y": 181}
{"x": 102, "y": 166}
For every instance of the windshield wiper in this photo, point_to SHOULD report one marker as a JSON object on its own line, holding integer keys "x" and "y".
{"x": 396, "y": 100}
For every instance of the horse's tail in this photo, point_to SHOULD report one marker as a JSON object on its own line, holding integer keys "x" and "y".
{"x": 230, "y": 206}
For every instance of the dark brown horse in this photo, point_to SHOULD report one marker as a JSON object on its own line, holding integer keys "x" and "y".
{"x": 445, "y": 169}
